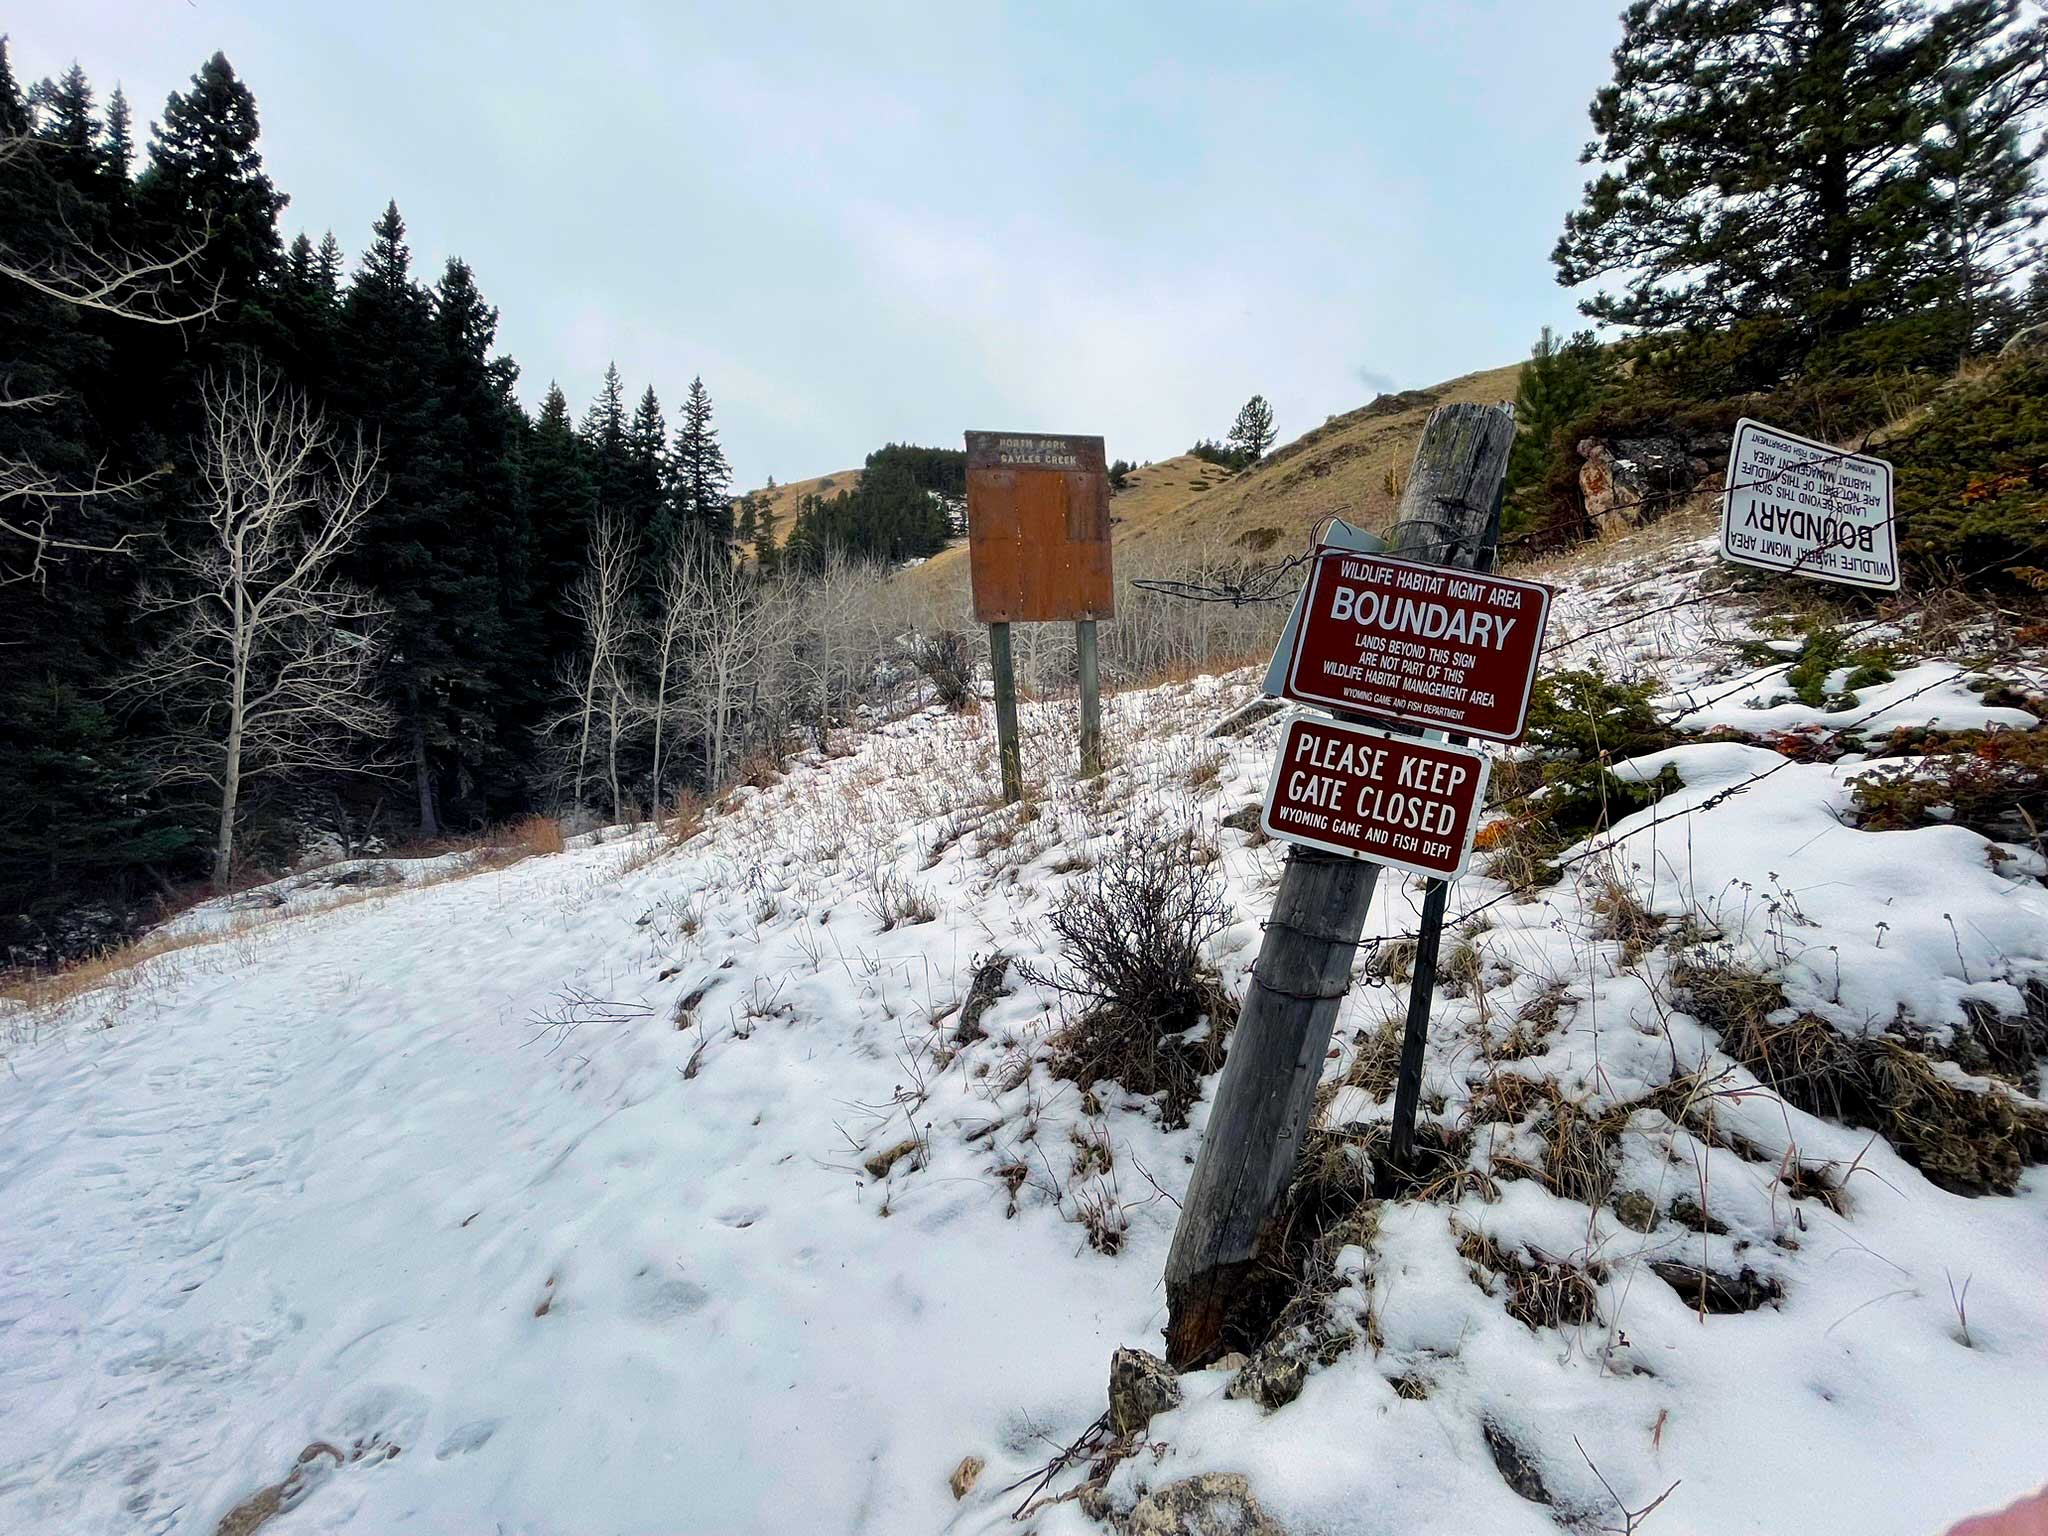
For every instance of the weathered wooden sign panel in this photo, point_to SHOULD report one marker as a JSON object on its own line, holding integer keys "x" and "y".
{"x": 1038, "y": 528}
{"x": 1793, "y": 504}
{"x": 1421, "y": 644}
{"x": 1396, "y": 800}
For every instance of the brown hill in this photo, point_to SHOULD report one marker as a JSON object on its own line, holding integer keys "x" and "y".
{"x": 1181, "y": 511}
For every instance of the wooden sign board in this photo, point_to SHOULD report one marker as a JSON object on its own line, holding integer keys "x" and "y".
{"x": 1796, "y": 505}
{"x": 1395, "y": 800}
{"x": 1421, "y": 644}
{"x": 1038, "y": 528}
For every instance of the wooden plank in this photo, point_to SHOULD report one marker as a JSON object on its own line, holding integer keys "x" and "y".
{"x": 1449, "y": 515}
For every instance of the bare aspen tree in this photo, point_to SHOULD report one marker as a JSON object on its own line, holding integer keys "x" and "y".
{"x": 602, "y": 599}
{"x": 669, "y": 643}
{"x": 271, "y": 665}
{"x": 126, "y": 284}
{"x": 730, "y": 632}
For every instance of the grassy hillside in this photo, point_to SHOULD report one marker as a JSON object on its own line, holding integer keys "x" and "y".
{"x": 1181, "y": 509}
{"x": 782, "y": 502}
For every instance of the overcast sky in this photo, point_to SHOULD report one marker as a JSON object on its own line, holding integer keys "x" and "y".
{"x": 896, "y": 221}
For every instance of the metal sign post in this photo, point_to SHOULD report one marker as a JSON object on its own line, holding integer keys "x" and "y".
{"x": 1038, "y": 552}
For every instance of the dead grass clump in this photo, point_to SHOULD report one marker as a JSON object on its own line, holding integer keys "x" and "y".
{"x": 1534, "y": 1025}
{"x": 1579, "y": 1139}
{"x": 1377, "y": 1060}
{"x": 537, "y": 836}
{"x": 1132, "y": 933}
{"x": 1619, "y": 914}
{"x": 1537, "y": 1291}
{"x": 1970, "y": 1137}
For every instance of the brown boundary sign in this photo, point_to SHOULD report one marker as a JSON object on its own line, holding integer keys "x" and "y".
{"x": 1423, "y": 644}
{"x": 1396, "y": 800}
{"x": 1038, "y": 528}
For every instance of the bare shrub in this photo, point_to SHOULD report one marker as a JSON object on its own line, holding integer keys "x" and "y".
{"x": 946, "y": 660}
{"x": 1132, "y": 933}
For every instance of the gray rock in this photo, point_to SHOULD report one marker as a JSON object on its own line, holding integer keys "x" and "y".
{"x": 1273, "y": 1379}
{"x": 1140, "y": 1385}
{"x": 1212, "y": 1504}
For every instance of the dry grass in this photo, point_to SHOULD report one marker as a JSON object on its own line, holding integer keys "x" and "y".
{"x": 1972, "y": 1137}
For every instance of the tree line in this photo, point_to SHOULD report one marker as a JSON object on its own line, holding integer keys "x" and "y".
{"x": 279, "y": 543}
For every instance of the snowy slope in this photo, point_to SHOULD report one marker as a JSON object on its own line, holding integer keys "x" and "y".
{"x": 541, "y": 1196}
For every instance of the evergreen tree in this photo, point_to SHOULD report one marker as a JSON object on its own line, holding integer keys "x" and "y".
{"x": 206, "y": 175}
{"x": 604, "y": 442}
{"x": 1560, "y": 383}
{"x": 644, "y": 500}
{"x": 486, "y": 553}
{"x": 1978, "y": 169}
{"x": 703, "y": 479}
{"x": 117, "y": 149}
{"x": 562, "y": 504}
{"x": 1765, "y": 163}
{"x": 422, "y": 571}
{"x": 1252, "y": 433}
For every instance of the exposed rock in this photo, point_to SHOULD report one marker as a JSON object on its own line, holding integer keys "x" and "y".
{"x": 1637, "y": 479}
{"x": 1140, "y": 1385}
{"x": 879, "y": 1165}
{"x": 1273, "y": 1380}
{"x": 1212, "y": 1504}
{"x": 1518, "y": 1468}
{"x": 965, "y": 1476}
{"x": 1709, "y": 1288}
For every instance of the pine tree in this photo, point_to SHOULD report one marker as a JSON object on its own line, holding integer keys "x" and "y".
{"x": 703, "y": 479}
{"x": 1252, "y": 433}
{"x": 644, "y": 503}
{"x": 1560, "y": 383}
{"x": 603, "y": 431}
{"x": 562, "y": 505}
{"x": 1765, "y": 163}
{"x": 117, "y": 149}
{"x": 1978, "y": 169}
{"x": 206, "y": 174}
{"x": 485, "y": 553}
{"x": 414, "y": 564}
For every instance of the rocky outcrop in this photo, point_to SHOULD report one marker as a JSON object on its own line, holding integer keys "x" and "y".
{"x": 1636, "y": 480}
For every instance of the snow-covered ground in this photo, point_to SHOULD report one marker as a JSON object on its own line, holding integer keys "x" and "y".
{"x": 540, "y": 1199}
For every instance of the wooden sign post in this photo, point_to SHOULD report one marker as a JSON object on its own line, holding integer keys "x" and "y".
{"x": 1449, "y": 516}
{"x": 1038, "y": 552}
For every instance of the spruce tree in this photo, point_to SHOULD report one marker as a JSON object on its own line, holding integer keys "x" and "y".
{"x": 206, "y": 175}
{"x": 1765, "y": 163}
{"x": 485, "y": 552}
{"x": 561, "y": 497}
{"x": 415, "y": 565}
{"x": 644, "y": 501}
{"x": 703, "y": 479}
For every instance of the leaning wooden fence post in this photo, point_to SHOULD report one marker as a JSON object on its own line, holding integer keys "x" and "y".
{"x": 1004, "y": 676}
{"x": 1449, "y": 515}
{"x": 1091, "y": 697}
